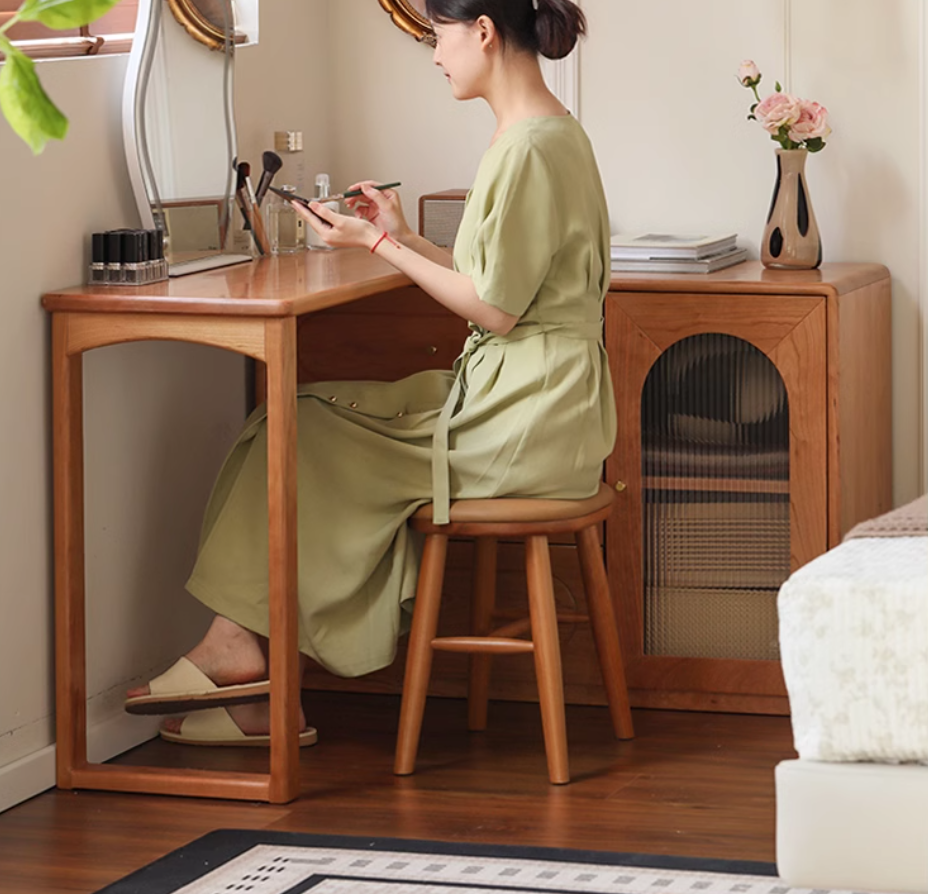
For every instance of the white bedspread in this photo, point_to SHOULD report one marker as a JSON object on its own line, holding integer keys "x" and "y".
{"x": 854, "y": 645}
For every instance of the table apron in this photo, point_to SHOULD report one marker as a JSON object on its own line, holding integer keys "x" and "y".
{"x": 244, "y": 335}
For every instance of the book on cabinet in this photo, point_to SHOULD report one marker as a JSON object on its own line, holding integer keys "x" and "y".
{"x": 669, "y": 246}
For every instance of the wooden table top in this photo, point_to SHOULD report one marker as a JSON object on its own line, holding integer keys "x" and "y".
{"x": 280, "y": 286}
{"x": 291, "y": 285}
{"x": 751, "y": 277}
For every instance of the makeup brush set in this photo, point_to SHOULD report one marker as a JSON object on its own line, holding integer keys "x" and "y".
{"x": 249, "y": 199}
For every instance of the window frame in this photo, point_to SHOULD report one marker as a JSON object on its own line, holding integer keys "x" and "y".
{"x": 107, "y": 35}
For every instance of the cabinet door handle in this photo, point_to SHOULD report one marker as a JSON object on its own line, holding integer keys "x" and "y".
{"x": 620, "y": 486}
{"x": 432, "y": 350}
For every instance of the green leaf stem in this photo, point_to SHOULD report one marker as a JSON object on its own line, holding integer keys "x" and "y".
{"x": 32, "y": 115}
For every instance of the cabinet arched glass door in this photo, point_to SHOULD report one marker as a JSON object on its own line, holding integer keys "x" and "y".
{"x": 715, "y": 472}
{"x": 741, "y": 336}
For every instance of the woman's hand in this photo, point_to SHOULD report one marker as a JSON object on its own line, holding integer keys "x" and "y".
{"x": 381, "y": 207}
{"x": 338, "y": 230}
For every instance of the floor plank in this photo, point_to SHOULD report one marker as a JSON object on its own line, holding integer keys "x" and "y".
{"x": 689, "y": 784}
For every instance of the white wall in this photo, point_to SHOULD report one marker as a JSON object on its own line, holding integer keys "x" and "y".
{"x": 667, "y": 116}
{"x": 159, "y": 417}
{"x": 660, "y": 100}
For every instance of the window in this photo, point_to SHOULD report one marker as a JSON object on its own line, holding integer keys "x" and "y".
{"x": 110, "y": 34}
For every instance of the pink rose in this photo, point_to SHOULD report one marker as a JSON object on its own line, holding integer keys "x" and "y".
{"x": 812, "y": 122}
{"x": 748, "y": 73}
{"x": 776, "y": 110}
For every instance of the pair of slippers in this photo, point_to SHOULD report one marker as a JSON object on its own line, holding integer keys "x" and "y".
{"x": 185, "y": 688}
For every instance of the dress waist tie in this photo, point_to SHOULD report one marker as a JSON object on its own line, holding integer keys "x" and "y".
{"x": 441, "y": 472}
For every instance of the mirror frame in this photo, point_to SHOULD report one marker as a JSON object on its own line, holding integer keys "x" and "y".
{"x": 407, "y": 19}
{"x": 197, "y": 25}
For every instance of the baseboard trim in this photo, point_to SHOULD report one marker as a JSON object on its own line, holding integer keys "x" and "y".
{"x": 35, "y": 773}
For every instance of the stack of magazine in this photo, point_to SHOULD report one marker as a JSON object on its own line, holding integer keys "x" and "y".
{"x": 669, "y": 253}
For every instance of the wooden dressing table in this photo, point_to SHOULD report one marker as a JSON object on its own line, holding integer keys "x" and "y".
{"x": 251, "y": 309}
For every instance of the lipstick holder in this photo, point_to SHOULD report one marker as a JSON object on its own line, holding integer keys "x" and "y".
{"x": 127, "y": 257}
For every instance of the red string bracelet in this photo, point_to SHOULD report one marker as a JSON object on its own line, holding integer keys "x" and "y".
{"x": 383, "y": 236}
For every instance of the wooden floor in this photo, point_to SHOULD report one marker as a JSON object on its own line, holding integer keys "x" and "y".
{"x": 689, "y": 785}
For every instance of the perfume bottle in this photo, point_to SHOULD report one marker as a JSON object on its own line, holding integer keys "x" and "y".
{"x": 323, "y": 191}
{"x": 286, "y": 229}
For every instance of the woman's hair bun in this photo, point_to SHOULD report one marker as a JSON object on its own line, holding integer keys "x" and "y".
{"x": 559, "y": 24}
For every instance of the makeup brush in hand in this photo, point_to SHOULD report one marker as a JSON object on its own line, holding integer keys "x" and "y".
{"x": 272, "y": 164}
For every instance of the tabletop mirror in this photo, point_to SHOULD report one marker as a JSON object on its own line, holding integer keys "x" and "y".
{"x": 178, "y": 119}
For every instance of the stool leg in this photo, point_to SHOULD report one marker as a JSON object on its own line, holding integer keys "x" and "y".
{"x": 547, "y": 656}
{"x": 419, "y": 654}
{"x": 605, "y": 632}
{"x": 482, "y": 604}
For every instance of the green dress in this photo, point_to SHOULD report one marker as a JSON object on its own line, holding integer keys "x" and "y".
{"x": 530, "y": 413}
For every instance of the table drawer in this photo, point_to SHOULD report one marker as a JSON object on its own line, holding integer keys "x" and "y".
{"x": 383, "y": 338}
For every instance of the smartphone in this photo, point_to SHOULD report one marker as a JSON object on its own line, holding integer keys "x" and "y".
{"x": 292, "y": 197}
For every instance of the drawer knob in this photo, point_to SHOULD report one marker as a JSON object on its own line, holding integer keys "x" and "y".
{"x": 433, "y": 350}
{"x": 620, "y": 486}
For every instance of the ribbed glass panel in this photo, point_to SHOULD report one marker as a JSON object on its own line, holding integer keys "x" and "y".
{"x": 715, "y": 460}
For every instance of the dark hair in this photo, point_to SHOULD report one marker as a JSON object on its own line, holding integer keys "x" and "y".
{"x": 552, "y": 30}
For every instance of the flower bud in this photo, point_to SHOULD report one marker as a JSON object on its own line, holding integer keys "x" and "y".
{"x": 748, "y": 73}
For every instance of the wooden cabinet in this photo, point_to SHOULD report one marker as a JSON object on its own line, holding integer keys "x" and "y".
{"x": 754, "y": 415}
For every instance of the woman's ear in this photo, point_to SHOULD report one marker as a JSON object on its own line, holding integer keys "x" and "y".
{"x": 486, "y": 31}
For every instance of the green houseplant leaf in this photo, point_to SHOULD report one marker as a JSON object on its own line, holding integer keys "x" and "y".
{"x": 63, "y": 14}
{"x": 23, "y": 102}
{"x": 32, "y": 115}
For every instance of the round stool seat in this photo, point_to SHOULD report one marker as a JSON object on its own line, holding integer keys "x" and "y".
{"x": 524, "y": 512}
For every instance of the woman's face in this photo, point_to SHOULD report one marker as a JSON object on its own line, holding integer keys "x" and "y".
{"x": 459, "y": 51}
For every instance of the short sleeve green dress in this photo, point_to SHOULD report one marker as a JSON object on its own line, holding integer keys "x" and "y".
{"x": 530, "y": 414}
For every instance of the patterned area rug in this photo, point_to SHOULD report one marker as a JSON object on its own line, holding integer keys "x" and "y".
{"x": 232, "y": 861}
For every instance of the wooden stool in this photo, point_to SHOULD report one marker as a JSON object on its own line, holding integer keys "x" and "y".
{"x": 533, "y": 521}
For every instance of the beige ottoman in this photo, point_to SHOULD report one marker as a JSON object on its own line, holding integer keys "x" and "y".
{"x": 852, "y": 826}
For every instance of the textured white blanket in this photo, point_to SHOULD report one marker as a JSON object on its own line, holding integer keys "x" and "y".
{"x": 854, "y": 645}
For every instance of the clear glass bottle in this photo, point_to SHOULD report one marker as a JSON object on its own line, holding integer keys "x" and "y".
{"x": 286, "y": 229}
{"x": 323, "y": 190}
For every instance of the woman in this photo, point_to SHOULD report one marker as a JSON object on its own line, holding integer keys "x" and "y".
{"x": 528, "y": 411}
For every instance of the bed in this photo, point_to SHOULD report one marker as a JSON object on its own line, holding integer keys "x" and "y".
{"x": 852, "y": 811}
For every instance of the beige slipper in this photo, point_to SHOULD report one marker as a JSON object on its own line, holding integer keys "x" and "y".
{"x": 184, "y": 687}
{"x": 215, "y": 726}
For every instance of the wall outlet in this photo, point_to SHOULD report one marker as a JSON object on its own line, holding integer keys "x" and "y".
{"x": 288, "y": 140}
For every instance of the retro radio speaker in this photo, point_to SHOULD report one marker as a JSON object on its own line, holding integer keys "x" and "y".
{"x": 440, "y": 215}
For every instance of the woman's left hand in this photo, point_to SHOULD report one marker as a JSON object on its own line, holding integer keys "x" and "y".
{"x": 338, "y": 230}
